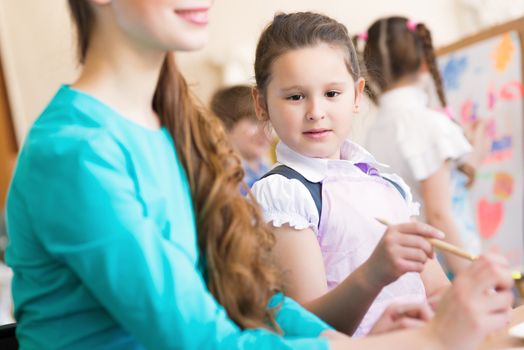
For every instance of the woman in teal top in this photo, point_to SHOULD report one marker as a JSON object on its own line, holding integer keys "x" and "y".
{"x": 127, "y": 229}
{"x": 104, "y": 247}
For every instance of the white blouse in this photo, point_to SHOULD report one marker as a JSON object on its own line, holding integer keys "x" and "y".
{"x": 413, "y": 139}
{"x": 288, "y": 201}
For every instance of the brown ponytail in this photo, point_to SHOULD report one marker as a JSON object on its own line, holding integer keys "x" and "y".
{"x": 232, "y": 236}
{"x": 429, "y": 55}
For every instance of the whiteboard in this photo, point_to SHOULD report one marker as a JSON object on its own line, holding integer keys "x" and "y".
{"x": 484, "y": 80}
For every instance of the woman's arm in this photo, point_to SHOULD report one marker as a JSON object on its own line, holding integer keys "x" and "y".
{"x": 436, "y": 194}
{"x": 87, "y": 217}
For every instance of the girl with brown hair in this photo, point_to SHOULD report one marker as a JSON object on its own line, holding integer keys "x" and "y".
{"x": 325, "y": 195}
{"x": 421, "y": 145}
{"x": 127, "y": 229}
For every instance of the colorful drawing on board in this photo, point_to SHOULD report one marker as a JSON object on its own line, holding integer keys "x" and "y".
{"x": 489, "y": 217}
{"x": 453, "y": 70}
{"x": 512, "y": 90}
{"x": 484, "y": 175}
{"x": 491, "y": 129}
{"x": 501, "y": 150}
{"x": 503, "y": 53}
{"x": 491, "y": 98}
{"x": 503, "y": 185}
{"x": 468, "y": 112}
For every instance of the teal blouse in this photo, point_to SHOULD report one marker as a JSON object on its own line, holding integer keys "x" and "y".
{"x": 102, "y": 242}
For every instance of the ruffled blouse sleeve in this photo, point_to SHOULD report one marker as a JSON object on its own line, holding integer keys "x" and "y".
{"x": 286, "y": 201}
{"x": 428, "y": 140}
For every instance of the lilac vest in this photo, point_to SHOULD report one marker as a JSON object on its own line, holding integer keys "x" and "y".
{"x": 348, "y": 234}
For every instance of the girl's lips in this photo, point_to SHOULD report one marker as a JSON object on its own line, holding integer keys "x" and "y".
{"x": 198, "y": 16}
{"x": 317, "y": 133}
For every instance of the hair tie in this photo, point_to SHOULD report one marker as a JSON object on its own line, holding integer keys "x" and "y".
{"x": 363, "y": 36}
{"x": 411, "y": 25}
{"x": 448, "y": 112}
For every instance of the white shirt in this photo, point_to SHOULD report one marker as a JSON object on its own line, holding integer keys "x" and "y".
{"x": 413, "y": 139}
{"x": 288, "y": 201}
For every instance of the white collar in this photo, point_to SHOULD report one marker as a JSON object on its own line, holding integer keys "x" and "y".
{"x": 404, "y": 97}
{"x": 315, "y": 169}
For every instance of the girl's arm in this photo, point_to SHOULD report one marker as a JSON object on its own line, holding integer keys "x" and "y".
{"x": 299, "y": 258}
{"x": 436, "y": 194}
{"x": 297, "y": 253}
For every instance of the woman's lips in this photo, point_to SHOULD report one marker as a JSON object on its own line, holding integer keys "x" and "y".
{"x": 198, "y": 16}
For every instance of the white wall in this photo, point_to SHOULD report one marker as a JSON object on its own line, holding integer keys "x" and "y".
{"x": 36, "y": 44}
{"x": 236, "y": 24}
{"x": 36, "y": 41}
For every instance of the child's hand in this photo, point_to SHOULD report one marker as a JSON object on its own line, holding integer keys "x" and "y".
{"x": 478, "y": 302}
{"x": 404, "y": 248}
{"x": 402, "y": 316}
{"x": 478, "y": 137}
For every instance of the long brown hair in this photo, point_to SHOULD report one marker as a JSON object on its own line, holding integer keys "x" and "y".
{"x": 232, "y": 237}
{"x": 300, "y": 30}
{"x": 395, "y": 50}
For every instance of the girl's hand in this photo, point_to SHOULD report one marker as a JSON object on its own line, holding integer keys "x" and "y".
{"x": 402, "y": 316}
{"x": 403, "y": 248}
{"x": 477, "y": 135}
{"x": 478, "y": 302}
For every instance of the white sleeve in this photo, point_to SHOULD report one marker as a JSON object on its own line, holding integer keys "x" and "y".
{"x": 286, "y": 201}
{"x": 430, "y": 140}
{"x": 414, "y": 207}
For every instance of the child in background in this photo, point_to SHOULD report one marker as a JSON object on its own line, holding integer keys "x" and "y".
{"x": 420, "y": 144}
{"x": 234, "y": 106}
{"x": 324, "y": 198}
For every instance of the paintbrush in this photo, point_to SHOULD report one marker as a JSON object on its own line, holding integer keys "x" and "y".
{"x": 445, "y": 246}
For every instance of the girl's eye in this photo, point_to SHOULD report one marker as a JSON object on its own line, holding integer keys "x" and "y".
{"x": 295, "y": 97}
{"x": 332, "y": 93}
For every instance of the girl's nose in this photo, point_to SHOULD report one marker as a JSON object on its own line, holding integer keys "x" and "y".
{"x": 315, "y": 111}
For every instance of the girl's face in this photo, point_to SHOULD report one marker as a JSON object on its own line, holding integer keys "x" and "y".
{"x": 310, "y": 100}
{"x": 161, "y": 24}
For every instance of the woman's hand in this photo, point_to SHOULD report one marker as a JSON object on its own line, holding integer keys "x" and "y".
{"x": 478, "y": 302}
{"x": 402, "y": 316}
{"x": 403, "y": 248}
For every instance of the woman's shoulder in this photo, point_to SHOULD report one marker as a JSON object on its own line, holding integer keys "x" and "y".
{"x": 59, "y": 138}
{"x": 70, "y": 125}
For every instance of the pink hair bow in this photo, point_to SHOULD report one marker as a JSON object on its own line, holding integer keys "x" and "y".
{"x": 448, "y": 112}
{"x": 363, "y": 36}
{"x": 411, "y": 25}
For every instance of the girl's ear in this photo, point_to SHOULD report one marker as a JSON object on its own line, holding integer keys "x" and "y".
{"x": 260, "y": 105}
{"x": 359, "y": 90}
